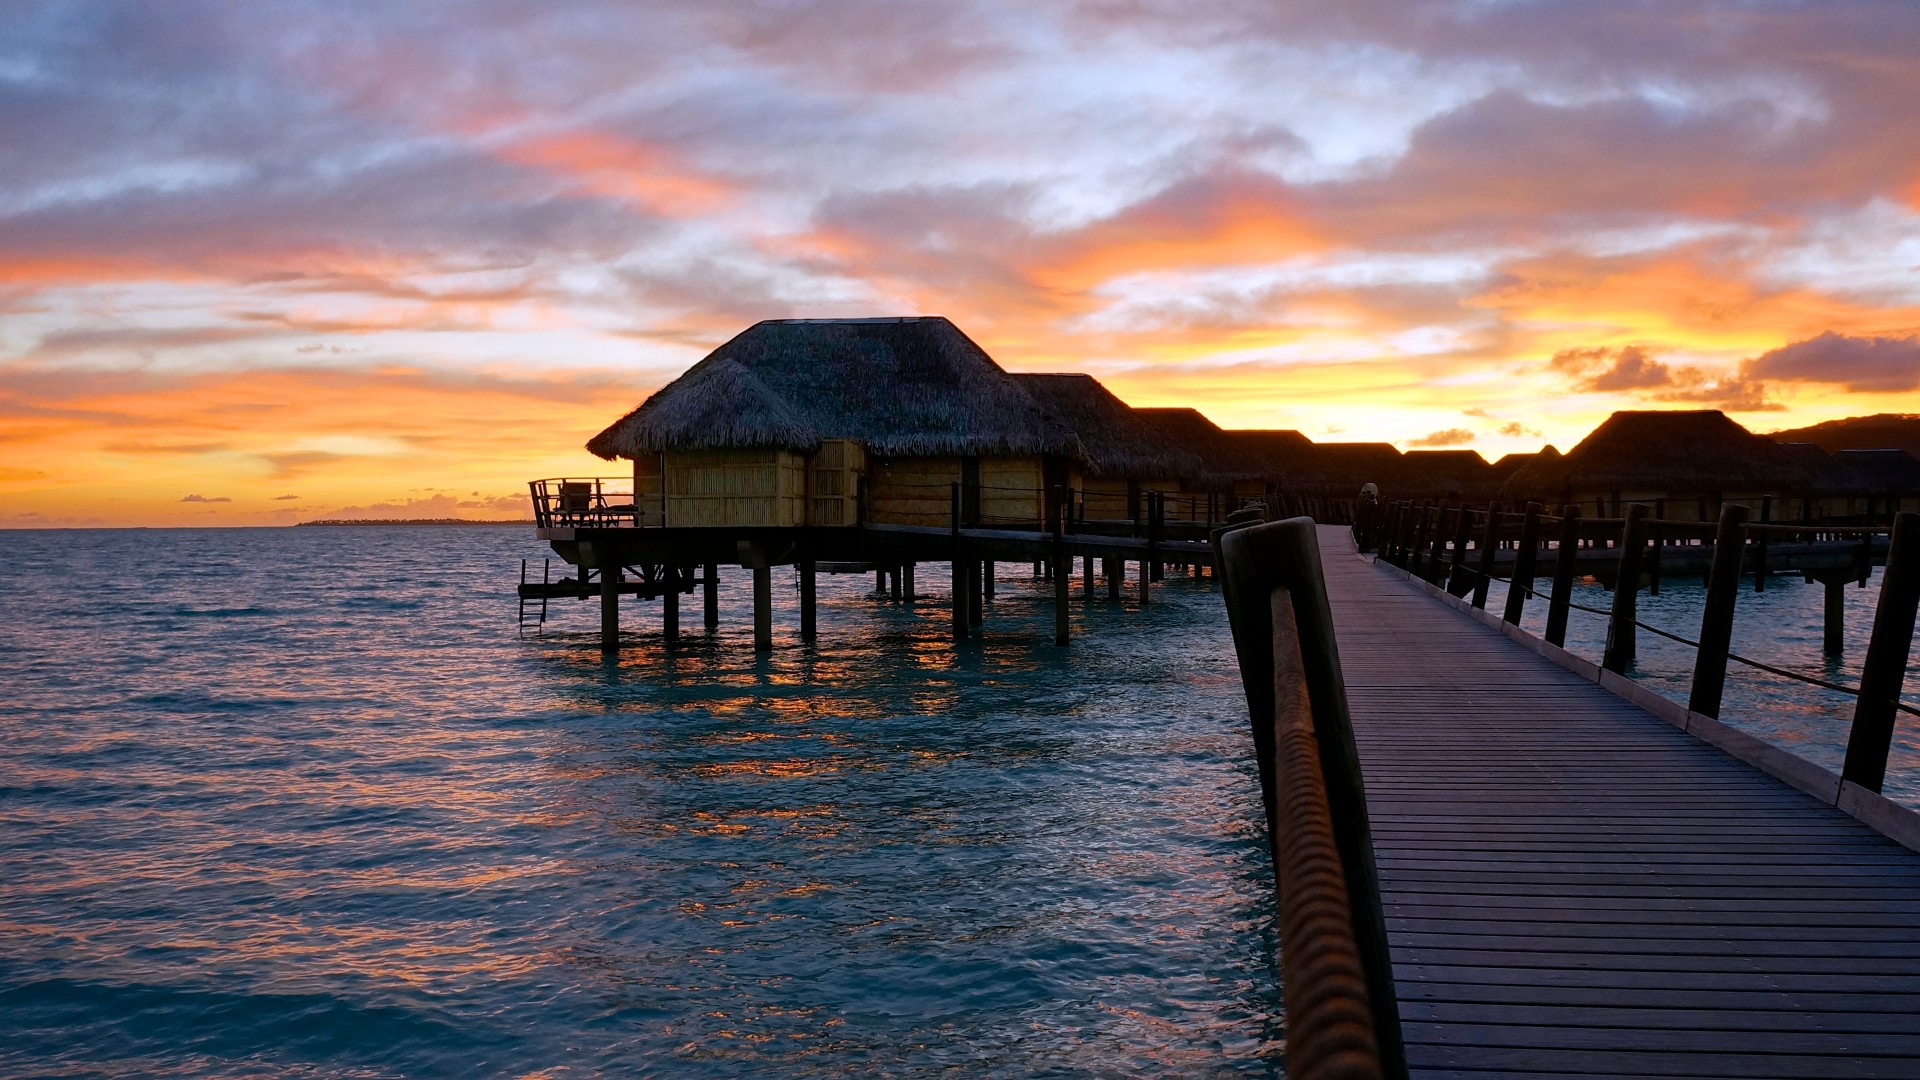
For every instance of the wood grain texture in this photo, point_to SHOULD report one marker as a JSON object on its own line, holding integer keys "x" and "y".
{"x": 1576, "y": 888}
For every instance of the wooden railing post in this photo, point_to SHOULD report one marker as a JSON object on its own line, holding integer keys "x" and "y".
{"x": 1275, "y": 568}
{"x": 1716, "y": 618}
{"x": 1417, "y": 549}
{"x": 962, "y": 583}
{"x": 1760, "y": 545}
{"x": 1062, "y": 571}
{"x": 1563, "y": 567}
{"x": 1458, "y": 581}
{"x": 1524, "y": 558}
{"x": 1489, "y": 542}
{"x": 1622, "y": 640}
{"x": 1884, "y": 673}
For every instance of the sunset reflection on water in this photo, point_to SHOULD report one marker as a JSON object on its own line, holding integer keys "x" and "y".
{"x": 299, "y": 800}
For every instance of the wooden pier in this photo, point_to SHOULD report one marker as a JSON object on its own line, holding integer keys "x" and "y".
{"x": 1574, "y": 885}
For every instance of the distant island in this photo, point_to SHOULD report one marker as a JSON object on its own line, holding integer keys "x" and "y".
{"x": 411, "y": 521}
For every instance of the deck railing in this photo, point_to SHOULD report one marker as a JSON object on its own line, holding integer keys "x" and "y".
{"x": 596, "y": 502}
{"x": 1432, "y": 542}
{"x": 1343, "y": 1016}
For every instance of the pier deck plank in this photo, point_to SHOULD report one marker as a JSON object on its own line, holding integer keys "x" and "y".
{"x": 1576, "y": 888}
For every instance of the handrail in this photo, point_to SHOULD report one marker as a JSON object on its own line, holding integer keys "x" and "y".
{"x": 1343, "y": 1017}
{"x": 1877, "y": 700}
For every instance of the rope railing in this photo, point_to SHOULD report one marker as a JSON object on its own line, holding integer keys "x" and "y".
{"x": 1416, "y": 538}
{"x": 1343, "y": 1014}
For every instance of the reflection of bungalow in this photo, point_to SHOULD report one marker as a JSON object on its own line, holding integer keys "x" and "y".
{"x": 786, "y": 423}
{"x": 1123, "y": 455}
{"x": 1694, "y": 460}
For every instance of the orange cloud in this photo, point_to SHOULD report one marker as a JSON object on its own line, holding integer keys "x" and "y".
{"x": 621, "y": 168}
{"x": 349, "y": 437}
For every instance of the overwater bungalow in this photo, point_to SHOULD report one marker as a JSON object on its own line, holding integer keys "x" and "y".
{"x": 1691, "y": 460}
{"x": 1449, "y": 475}
{"x": 819, "y": 421}
{"x": 1123, "y": 457}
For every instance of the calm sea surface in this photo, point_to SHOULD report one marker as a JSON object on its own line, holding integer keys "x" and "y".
{"x": 302, "y": 802}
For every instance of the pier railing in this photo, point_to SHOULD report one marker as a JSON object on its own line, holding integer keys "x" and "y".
{"x": 1433, "y": 543}
{"x": 1343, "y": 1017}
{"x": 593, "y": 502}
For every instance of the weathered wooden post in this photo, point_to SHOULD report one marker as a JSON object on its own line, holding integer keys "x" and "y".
{"x": 762, "y": 604}
{"x": 1659, "y": 542}
{"x": 1086, "y": 577}
{"x": 1459, "y": 575}
{"x": 809, "y": 614}
{"x": 1884, "y": 673}
{"x": 1435, "y": 572}
{"x": 1150, "y": 567}
{"x": 1563, "y": 569}
{"x": 1296, "y": 699}
{"x": 1622, "y": 641}
{"x": 1834, "y": 624}
{"x": 907, "y": 595}
{"x": 960, "y": 586}
{"x": 1760, "y": 545}
{"x": 1417, "y": 544}
{"x": 609, "y": 602}
{"x": 1716, "y": 618}
{"x": 896, "y": 584}
{"x": 1489, "y": 544}
{"x": 1114, "y": 569}
{"x": 712, "y": 595}
{"x": 1062, "y": 576}
{"x": 1524, "y": 558}
{"x": 670, "y": 605}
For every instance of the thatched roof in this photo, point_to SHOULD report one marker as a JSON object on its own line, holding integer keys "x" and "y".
{"x": 1513, "y": 463}
{"x": 1189, "y": 431}
{"x": 1449, "y": 472}
{"x": 1678, "y": 451}
{"x": 1115, "y": 440}
{"x": 1881, "y": 471}
{"x": 911, "y": 386}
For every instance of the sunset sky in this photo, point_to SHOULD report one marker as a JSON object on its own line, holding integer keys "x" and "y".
{"x": 265, "y": 262}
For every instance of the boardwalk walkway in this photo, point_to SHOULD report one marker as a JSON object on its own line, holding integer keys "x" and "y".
{"x": 1574, "y": 887}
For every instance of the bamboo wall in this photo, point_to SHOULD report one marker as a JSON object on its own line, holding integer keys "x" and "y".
{"x": 735, "y": 487}
{"x": 911, "y": 490}
{"x": 1012, "y": 491}
{"x": 647, "y": 481}
{"x": 833, "y": 478}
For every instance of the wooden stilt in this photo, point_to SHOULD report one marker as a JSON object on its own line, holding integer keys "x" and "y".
{"x": 986, "y": 578}
{"x": 897, "y": 586}
{"x": 880, "y": 581}
{"x": 960, "y": 591}
{"x": 609, "y": 606}
{"x": 809, "y": 615}
{"x": 763, "y": 608}
{"x": 670, "y": 607}
{"x": 1116, "y": 569}
{"x": 1146, "y": 582}
{"x": 1062, "y": 576}
{"x": 712, "y": 587}
{"x": 1836, "y": 617}
{"x": 906, "y": 583}
{"x": 1086, "y": 577}
{"x": 976, "y": 604}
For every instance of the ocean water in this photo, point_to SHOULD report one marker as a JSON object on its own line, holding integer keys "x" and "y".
{"x": 303, "y": 802}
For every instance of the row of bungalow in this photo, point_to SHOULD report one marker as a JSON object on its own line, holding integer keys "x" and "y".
{"x": 906, "y": 421}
